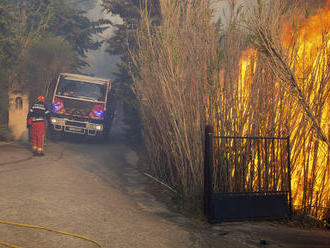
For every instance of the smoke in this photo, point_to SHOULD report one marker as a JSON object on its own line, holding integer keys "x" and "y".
{"x": 224, "y": 10}
{"x": 101, "y": 63}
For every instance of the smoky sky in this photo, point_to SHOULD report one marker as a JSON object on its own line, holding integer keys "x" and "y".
{"x": 101, "y": 63}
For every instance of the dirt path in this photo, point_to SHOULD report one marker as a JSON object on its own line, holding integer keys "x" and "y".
{"x": 95, "y": 190}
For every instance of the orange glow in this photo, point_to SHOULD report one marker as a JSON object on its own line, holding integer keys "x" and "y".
{"x": 314, "y": 44}
{"x": 308, "y": 44}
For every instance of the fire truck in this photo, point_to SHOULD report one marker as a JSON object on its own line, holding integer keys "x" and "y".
{"x": 81, "y": 105}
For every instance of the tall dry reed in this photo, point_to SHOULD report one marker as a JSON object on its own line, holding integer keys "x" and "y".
{"x": 173, "y": 84}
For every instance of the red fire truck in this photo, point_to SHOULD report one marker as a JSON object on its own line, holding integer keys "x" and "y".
{"x": 80, "y": 104}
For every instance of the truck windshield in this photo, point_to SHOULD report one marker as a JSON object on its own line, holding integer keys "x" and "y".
{"x": 83, "y": 90}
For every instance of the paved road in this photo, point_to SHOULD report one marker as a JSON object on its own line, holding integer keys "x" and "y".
{"x": 95, "y": 190}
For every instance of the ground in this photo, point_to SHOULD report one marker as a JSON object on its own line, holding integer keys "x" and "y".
{"x": 96, "y": 190}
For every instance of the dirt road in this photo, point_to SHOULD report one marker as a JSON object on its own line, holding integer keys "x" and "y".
{"x": 95, "y": 190}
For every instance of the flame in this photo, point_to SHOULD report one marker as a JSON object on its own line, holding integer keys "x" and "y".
{"x": 313, "y": 37}
{"x": 309, "y": 39}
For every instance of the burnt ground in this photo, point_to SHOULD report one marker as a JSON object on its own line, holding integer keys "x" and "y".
{"x": 96, "y": 190}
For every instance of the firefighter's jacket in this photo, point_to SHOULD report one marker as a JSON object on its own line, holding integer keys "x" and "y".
{"x": 38, "y": 112}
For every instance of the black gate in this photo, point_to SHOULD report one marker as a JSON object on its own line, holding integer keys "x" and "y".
{"x": 246, "y": 178}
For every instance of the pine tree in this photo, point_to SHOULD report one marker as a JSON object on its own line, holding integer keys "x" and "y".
{"x": 75, "y": 27}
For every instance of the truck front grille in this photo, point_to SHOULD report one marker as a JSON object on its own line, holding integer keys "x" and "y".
{"x": 76, "y": 124}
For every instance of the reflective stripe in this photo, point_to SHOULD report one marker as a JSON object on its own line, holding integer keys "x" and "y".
{"x": 37, "y": 107}
{"x": 37, "y": 119}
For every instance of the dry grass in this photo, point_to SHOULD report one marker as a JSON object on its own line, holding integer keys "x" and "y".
{"x": 173, "y": 86}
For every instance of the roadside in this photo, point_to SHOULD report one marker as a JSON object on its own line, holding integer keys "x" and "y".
{"x": 282, "y": 233}
{"x": 22, "y": 153}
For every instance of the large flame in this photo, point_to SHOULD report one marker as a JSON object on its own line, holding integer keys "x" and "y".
{"x": 311, "y": 36}
{"x": 309, "y": 43}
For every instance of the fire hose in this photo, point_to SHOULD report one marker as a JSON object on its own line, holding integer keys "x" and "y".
{"x": 46, "y": 229}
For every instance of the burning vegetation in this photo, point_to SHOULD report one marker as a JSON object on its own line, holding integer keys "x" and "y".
{"x": 297, "y": 50}
{"x": 265, "y": 74}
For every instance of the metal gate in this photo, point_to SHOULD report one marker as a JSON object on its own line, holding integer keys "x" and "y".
{"x": 246, "y": 178}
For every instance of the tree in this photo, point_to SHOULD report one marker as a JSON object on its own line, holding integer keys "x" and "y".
{"x": 7, "y": 45}
{"x": 8, "y": 56}
{"x": 56, "y": 53}
{"x": 73, "y": 26}
{"x": 122, "y": 42}
{"x": 38, "y": 19}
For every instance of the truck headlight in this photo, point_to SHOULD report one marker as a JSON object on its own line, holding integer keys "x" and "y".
{"x": 53, "y": 120}
{"x": 98, "y": 127}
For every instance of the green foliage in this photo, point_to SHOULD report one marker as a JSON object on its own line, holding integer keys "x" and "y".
{"x": 121, "y": 43}
{"x": 8, "y": 57}
{"x": 3, "y": 101}
{"x": 56, "y": 53}
{"x": 73, "y": 26}
{"x": 38, "y": 19}
{"x": 7, "y": 45}
{"x": 34, "y": 20}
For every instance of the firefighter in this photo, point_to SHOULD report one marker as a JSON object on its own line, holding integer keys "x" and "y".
{"x": 36, "y": 120}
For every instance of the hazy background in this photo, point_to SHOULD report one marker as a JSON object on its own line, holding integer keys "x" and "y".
{"x": 101, "y": 63}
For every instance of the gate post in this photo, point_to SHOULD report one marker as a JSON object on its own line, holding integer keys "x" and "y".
{"x": 208, "y": 172}
{"x": 289, "y": 175}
